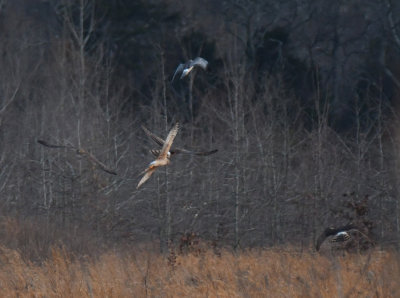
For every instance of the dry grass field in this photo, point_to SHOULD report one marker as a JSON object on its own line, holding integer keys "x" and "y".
{"x": 255, "y": 273}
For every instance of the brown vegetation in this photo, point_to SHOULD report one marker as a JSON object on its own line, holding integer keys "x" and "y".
{"x": 66, "y": 264}
{"x": 253, "y": 273}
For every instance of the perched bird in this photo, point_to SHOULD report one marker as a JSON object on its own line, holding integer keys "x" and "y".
{"x": 163, "y": 157}
{"x": 174, "y": 150}
{"x": 81, "y": 152}
{"x": 187, "y": 67}
{"x": 338, "y": 235}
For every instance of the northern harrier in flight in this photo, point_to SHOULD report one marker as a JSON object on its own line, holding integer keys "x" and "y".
{"x": 81, "y": 152}
{"x": 341, "y": 235}
{"x": 186, "y": 68}
{"x": 163, "y": 157}
{"x": 174, "y": 150}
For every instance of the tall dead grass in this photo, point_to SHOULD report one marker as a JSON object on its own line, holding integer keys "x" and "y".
{"x": 256, "y": 273}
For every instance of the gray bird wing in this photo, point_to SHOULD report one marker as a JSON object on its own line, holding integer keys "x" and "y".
{"x": 320, "y": 240}
{"x": 200, "y": 62}
{"x": 94, "y": 160}
{"x": 44, "y": 143}
{"x": 355, "y": 231}
{"x": 178, "y": 70}
{"x": 156, "y": 152}
{"x": 82, "y": 152}
{"x": 200, "y": 153}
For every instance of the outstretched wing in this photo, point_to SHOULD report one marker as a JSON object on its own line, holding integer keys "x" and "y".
{"x": 320, "y": 240}
{"x": 44, "y": 143}
{"x": 168, "y": 141}
{"x": 178, "y": 70}
{"x": 82, "y": 152}
{"x": 155, "y": 138}
{"x": 146, "y": 176}
{"x": 200, "y": 153}
{"x": 160, "y": 141}
{"x": 200, "y": 62}
{"x": 156, "y": 152}
{"x": 94, "y": 160}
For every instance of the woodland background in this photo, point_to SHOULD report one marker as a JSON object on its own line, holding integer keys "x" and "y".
{"x": 300, "y": 98}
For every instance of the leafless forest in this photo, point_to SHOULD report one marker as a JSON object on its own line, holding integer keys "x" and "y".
{"x": 300, "y": 99}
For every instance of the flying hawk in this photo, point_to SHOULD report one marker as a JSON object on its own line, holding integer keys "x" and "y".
{"x": 174, "y": 150}
{"x": 81, "y": 152}
{"x": 341, "y": 235}
{"x": 187, "y": 67}
{"x": 163, "y": 157}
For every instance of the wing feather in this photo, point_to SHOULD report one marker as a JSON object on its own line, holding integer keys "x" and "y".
{"x": 160, "y": 141}
{"x": 320, "y": 240}
{"x": 81, "y": 152}
{"x": 200, "y": 153}
{"x": 156, "y": 152}
{"x": 94, "y": 160}
{"x": 146, "y": 177}
{"x": 155, "y": 138}
{"x": 178, "y": 70}
{"x": 44, "y": 143}
{"x": 168, "y": 141}
{"x": 200, "y": 62}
